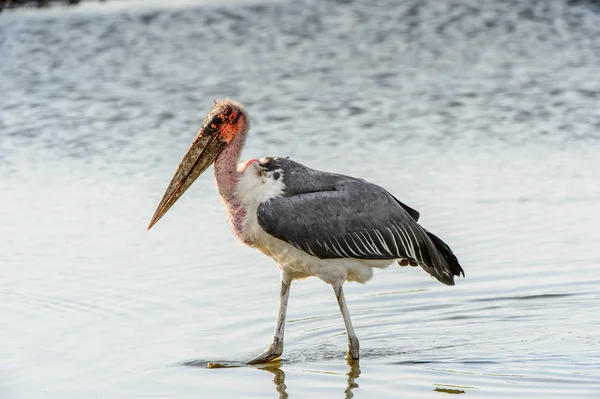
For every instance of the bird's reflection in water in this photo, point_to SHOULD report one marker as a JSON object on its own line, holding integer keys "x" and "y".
{"x": 278, "y": 378}
{"x": 352, "y": 377}
{"x": 281, "y": 388}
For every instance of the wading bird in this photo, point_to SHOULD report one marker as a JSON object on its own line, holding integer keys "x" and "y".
{"x": 312, "y": 223}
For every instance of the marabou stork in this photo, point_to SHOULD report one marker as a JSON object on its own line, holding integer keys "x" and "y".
{"x": 312, "y": 223}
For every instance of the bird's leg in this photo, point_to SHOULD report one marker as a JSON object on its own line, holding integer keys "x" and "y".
{"x": 353, "y": 346}
{"x": 276, "y": 348}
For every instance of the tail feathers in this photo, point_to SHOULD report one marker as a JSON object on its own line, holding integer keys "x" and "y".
{"x": 445, "y": 265}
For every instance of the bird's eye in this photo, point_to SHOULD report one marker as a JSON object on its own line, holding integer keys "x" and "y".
{"x": 276, "y": 175}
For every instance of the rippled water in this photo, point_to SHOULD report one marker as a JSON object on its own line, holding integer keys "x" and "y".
{"x": 483, "y": 115}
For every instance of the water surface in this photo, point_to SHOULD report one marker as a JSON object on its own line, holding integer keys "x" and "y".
{"x": 482, "y": 115}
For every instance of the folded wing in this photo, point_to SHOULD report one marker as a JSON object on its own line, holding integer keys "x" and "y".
{"x": 352, "y": 218}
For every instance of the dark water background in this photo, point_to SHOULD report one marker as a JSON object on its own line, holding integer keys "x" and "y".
{"x": 481, "y": 114}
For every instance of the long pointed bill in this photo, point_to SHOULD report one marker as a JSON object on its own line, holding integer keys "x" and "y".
{"x": 196, "y": 160}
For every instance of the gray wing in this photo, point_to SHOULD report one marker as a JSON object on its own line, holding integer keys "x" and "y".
{"x": 350, "y": 219}
{"x": 335, "y": 216}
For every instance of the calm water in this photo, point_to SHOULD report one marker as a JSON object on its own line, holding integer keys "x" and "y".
{"x": 483, "y": 115}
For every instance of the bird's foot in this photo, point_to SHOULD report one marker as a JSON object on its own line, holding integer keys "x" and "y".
{"x": 353, "y": 349}
{"x": 272, "y": 353}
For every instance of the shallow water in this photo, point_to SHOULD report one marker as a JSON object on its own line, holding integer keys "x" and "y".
{"x": 482, "y": 115}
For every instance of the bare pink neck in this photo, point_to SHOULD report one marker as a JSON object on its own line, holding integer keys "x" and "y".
{"x": 226, "y": 172}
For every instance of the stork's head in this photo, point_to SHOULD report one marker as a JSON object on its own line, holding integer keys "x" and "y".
{"x": 222, "y": 125}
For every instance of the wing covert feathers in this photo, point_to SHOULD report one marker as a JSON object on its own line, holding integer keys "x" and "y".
{"x": 335, "y": 216}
